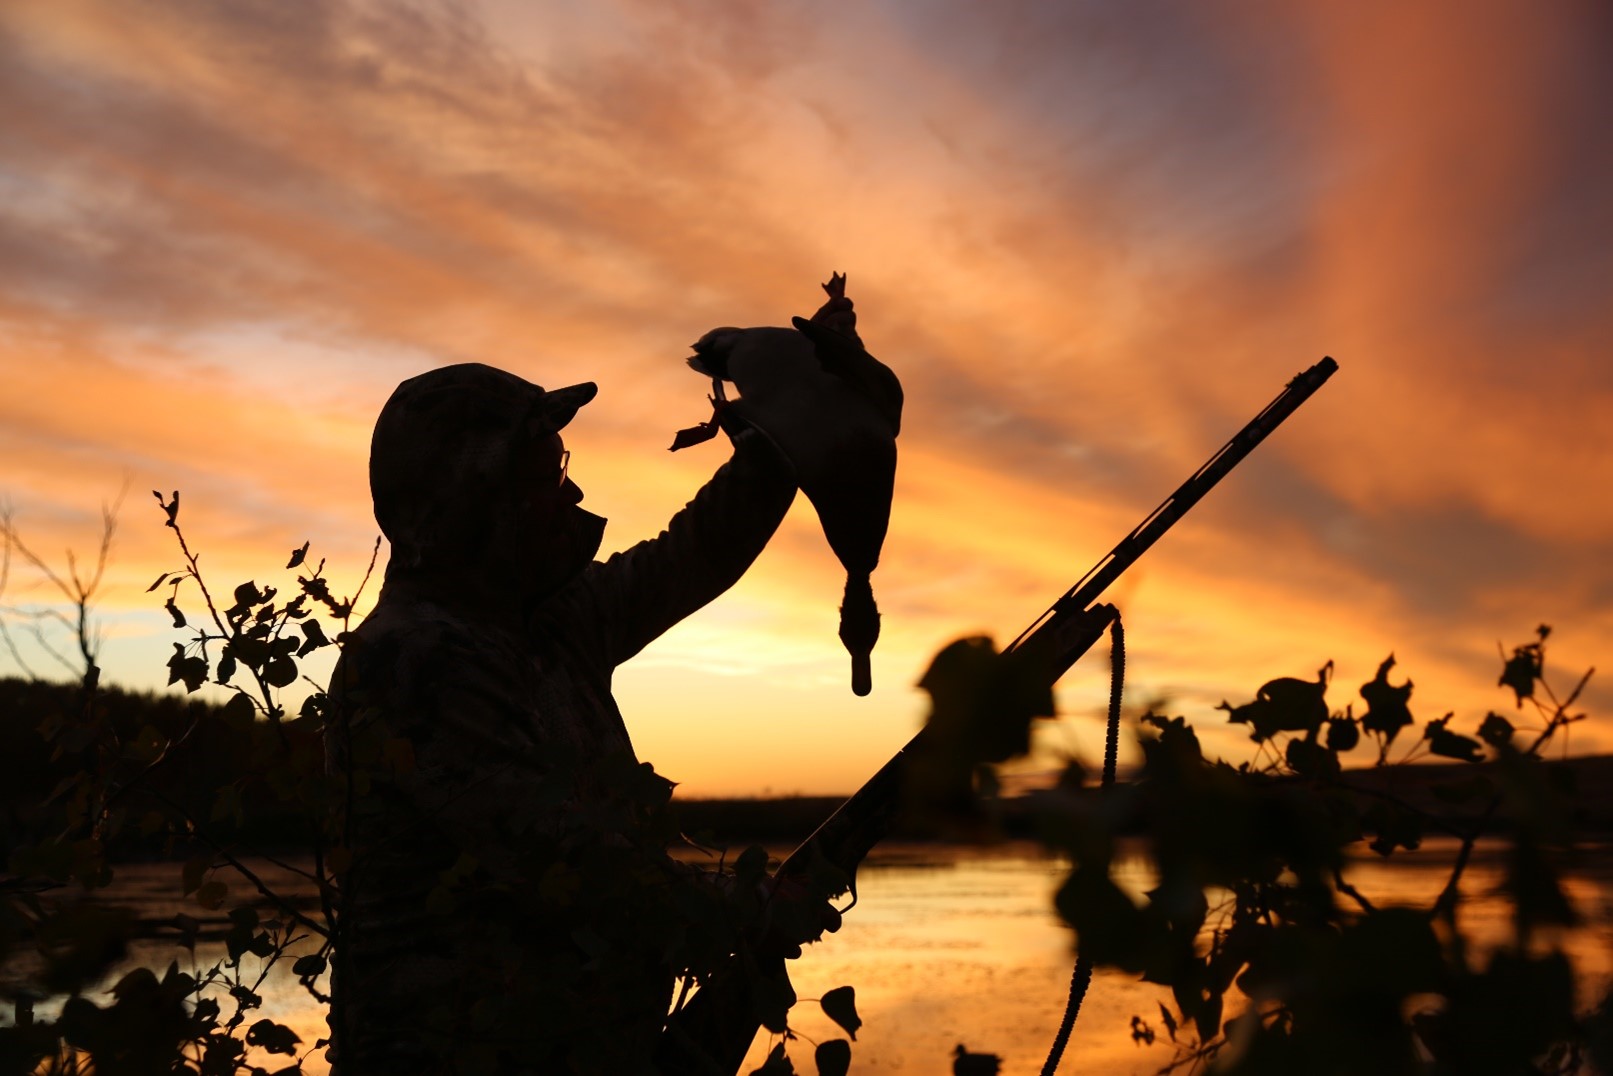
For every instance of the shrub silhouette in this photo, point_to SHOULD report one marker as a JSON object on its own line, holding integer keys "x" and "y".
{"x": 1273, "y": 961}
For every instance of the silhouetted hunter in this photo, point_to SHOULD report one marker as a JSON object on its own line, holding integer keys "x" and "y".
{"x": 495, "y": 776}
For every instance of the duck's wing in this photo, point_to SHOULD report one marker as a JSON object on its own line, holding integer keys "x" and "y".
{"x": 845, "y": 357}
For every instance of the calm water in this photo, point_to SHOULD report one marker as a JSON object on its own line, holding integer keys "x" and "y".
{"x": 953, "y": 945}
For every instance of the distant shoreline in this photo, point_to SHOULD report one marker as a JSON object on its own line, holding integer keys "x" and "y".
{"x": 791, "y": 819}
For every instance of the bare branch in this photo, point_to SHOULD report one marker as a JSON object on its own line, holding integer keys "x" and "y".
{"x": 1350, "y": 891}
{"x": 79, "y": 590}
{"x": 362, "y": 583}
{"x": 44, "y": 644}
{"x": 16, "y": 655}
{"x": 14, "y": 540}
{"x": 5, "y": 548}
{"x": 241, "y": 868}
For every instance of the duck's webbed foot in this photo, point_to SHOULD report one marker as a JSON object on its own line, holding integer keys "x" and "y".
{"x": 705, "y": 431}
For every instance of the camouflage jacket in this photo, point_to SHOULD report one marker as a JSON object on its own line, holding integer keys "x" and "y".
{"x": 474, "y": 935}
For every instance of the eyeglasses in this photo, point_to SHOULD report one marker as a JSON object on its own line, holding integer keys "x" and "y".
{"x": 565, "y": 465}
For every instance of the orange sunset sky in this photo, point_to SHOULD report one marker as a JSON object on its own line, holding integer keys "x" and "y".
{"x": 1092, "y": 238}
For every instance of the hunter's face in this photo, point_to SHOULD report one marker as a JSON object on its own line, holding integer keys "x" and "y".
{"x": 544, "y": 492}
{"x": 553, "y": 475}
{"x": 560, "y": 537}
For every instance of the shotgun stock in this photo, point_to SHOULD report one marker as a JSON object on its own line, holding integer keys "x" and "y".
{"x": 711, "y": 1034}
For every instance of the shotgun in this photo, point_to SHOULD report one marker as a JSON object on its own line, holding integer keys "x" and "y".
{"x": 711, "y": 1034}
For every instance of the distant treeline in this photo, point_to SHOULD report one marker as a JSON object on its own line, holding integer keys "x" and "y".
{"x": 33, "y": 771}
{"x": 29, "y": 775}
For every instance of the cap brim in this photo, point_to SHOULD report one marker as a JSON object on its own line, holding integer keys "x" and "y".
{"x": 559, "y": 406}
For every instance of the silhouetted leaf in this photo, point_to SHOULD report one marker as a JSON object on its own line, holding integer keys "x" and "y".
{"x": 173, "y": 611}
{"x": 1177, "y": 743}
{"x": 297, "y": 556}
{"x": 1393, "y": 827}
{"x": 1387, "y": 710}
{"x": 693, "y": 435}
{"x": 226, "y": 665}
{"x": 247, "y": 595}
{"x": 1496, "y": 730}
{"x": 1168, "y": 1020}
{"x": 314, "y": 638}
{"x": 170, "y": 508}
{"x": 840, "y": 1005}
{"x": 188, "y": 927}
{"x": 253, "y": 651}
{"x": 313, "y": 707}
{"x": 161, "y": 579}
{"x": 1342, "y": 734}
{"x": 238, "y": 711}
{"x": 211, "y": 895}
{"x": 777, "y": 1064}
{"x": 1310, "y": 759}
{"x": 1283, "y": 705}
{"x": 273, "y": 1037}
{"x": 833, "y": 1058}
{"x": 319, "y": 590}
{"x": 281, "y": 672}
{"x": 1441, "y": 741}
{"x": 1521, "y": 670}
{"x": 191, "y": 670}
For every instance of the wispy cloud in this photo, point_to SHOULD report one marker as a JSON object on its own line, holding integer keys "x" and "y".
{"x": 1092, "y": 238}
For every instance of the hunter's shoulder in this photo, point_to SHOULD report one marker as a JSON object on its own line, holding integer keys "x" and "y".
{"x": 406, "y": 645}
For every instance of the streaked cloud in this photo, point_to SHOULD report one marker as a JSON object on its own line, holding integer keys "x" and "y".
{"x": 1093, "y": 239}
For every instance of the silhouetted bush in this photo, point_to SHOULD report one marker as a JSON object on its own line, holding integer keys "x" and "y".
{"x": 1271, "y": 959}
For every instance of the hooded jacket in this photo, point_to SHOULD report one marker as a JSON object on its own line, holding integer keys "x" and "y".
{"x": 476, "y": 743}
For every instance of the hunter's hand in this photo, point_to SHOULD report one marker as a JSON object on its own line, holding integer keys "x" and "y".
{"x": 791, "y": 917}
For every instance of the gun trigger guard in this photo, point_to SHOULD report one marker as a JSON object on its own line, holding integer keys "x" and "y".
{"x": 852, "y": 889}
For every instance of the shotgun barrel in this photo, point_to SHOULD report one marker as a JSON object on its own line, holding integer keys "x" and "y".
{"x": 1065, "y": 615}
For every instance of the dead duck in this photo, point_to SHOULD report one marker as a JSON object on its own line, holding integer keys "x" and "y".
{"x": 835, "y": 411}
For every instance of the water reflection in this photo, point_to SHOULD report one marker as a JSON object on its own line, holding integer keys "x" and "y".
{"x": 952, "y": 945}
{"x": 966, "y": 949}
